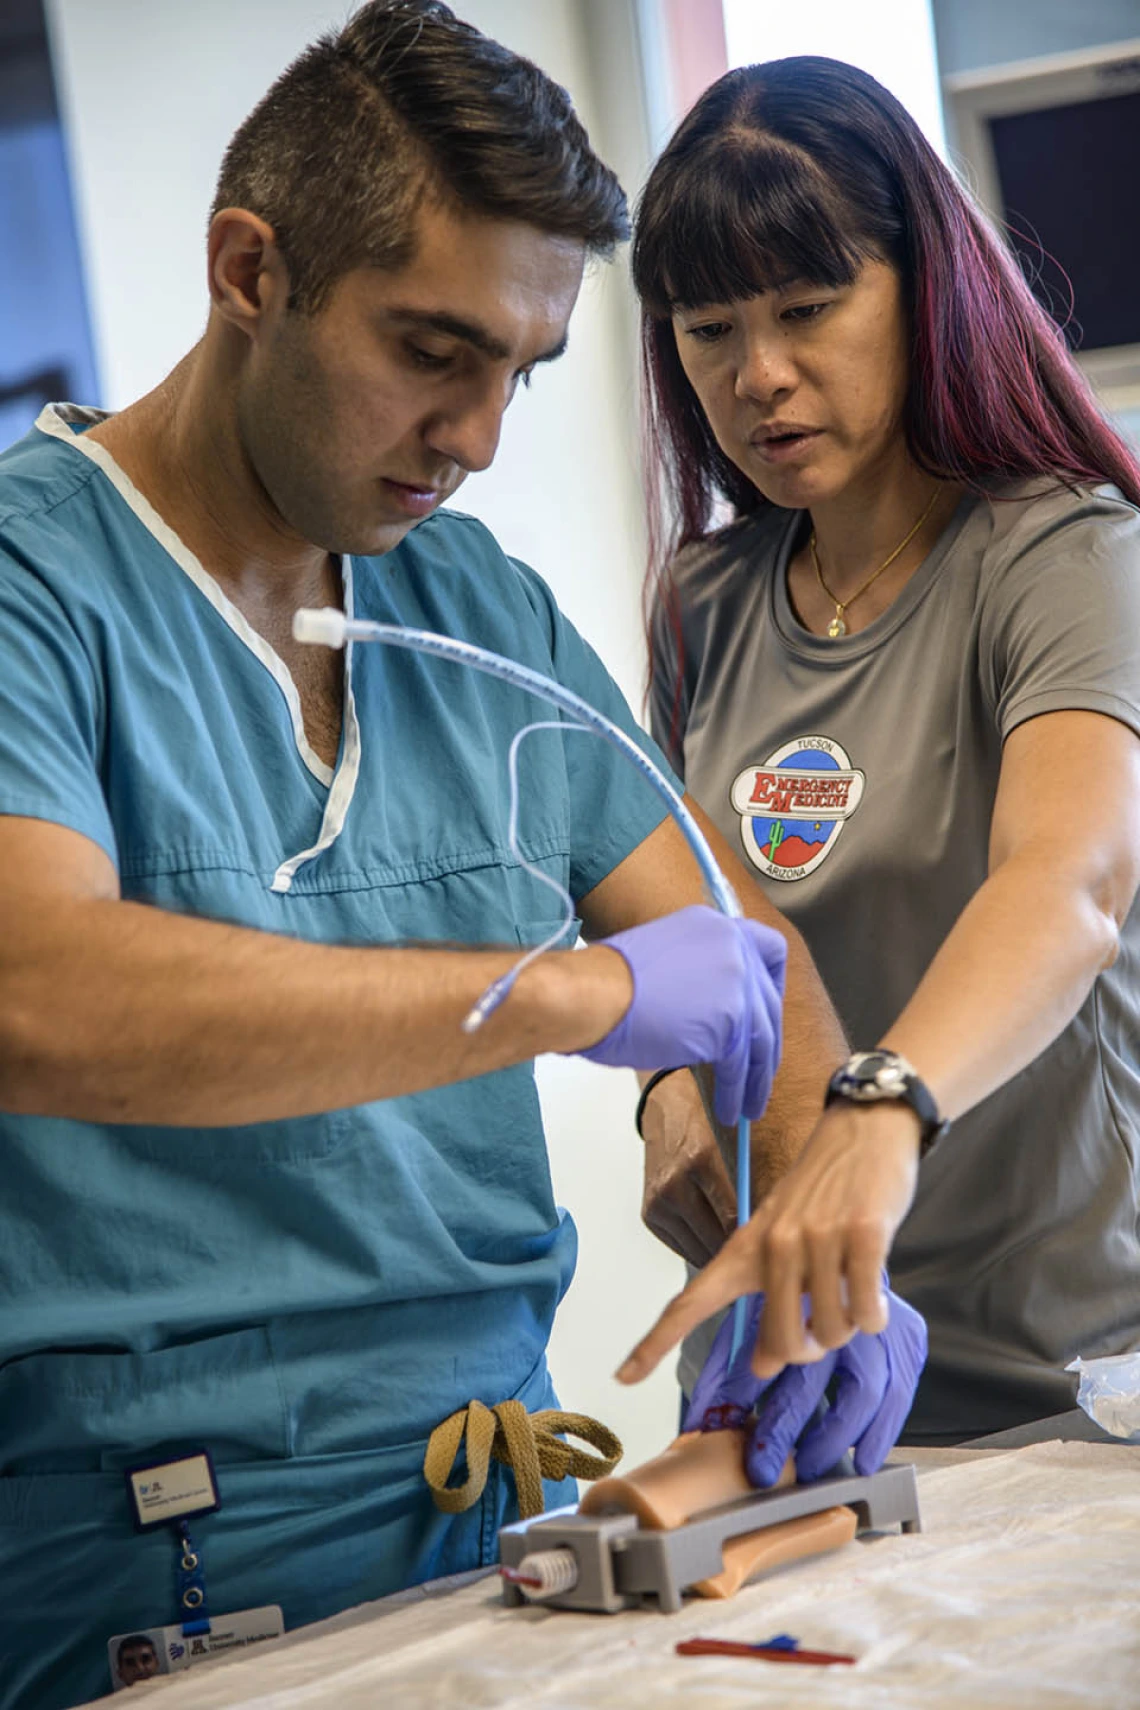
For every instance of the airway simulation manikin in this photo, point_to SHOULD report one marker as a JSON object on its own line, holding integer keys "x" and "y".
{"x": 331, "y": 628}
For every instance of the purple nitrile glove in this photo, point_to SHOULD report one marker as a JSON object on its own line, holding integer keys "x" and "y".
{"x": 875, "y": 1378}
{"x": 706, "y": 989}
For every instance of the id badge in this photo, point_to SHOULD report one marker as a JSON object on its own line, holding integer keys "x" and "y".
{"x": 162, "y": 1491}
{"x": 154, "y": 1651}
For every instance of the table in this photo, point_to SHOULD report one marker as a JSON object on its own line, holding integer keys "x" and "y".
{"x": 1023, "y": 1590}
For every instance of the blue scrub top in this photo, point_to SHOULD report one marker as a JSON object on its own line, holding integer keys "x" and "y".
{"x": 307, "y": 1297}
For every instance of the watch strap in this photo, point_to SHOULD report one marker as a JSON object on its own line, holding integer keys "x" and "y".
{"x": 909, "y": 1089}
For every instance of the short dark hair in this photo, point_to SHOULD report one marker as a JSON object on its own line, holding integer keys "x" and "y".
{"x": 406, "y": 102}
{"x": 132, "y": 1643}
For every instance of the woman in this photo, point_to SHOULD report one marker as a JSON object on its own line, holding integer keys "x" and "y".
{"x": 906, "y": 675}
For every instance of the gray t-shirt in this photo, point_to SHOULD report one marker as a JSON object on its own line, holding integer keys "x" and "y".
{"x": 858, "y": 776}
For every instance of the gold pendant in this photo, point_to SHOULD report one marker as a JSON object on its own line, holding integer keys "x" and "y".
{"x": 836, "y": 627}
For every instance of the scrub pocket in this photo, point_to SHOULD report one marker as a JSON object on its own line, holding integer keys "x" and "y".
{"x": 532, "y": 932}
{"x": 315, "y": 1534}
{"x": 60, "y": 1410}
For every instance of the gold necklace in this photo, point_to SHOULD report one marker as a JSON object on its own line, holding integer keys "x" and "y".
{"x": 837, "y": 627}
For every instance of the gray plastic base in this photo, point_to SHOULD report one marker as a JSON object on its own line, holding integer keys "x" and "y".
{"x": 621, "y": 1565}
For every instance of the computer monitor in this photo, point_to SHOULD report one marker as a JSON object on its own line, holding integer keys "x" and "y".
{"x": 1051, "y": 146}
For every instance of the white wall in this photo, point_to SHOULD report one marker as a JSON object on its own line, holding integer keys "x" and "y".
{"x": 976, "y": 33}
{"x": 891, "y": 39}
{"x": 151, "y": 91}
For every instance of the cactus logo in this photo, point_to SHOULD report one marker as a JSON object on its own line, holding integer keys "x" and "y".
{"x": 793, "y": 807}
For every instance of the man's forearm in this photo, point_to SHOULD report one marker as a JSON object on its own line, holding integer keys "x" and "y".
{"x": 689, "y": 1199}
{"x": 814, "y": 1046}
{"x": 814, "y": 1043}
{"x": 115, "y": 1012}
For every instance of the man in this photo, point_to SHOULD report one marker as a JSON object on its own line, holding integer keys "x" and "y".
{"x": 136, "y": 1659}
{"x": 262, "y": 1195}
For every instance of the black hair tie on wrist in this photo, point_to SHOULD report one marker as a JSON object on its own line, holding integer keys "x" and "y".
{"x": 657, "y": 1075}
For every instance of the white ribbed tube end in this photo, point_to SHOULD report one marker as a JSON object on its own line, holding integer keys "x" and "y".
{"x": 322, "y": 626}
{"x": 555, "y": 1570}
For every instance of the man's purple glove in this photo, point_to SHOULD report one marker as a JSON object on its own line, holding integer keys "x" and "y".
{"x": 875, "y": 1378}
{"x": 706, "y": 989}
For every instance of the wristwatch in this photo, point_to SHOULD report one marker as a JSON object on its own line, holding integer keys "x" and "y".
{"x": 869, "y": 1077}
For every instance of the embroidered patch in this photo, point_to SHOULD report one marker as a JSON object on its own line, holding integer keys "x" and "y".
{"x": 793, "y": 807}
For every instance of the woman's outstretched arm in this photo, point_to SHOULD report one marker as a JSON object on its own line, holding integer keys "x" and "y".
{"x": 1017, "y": 966}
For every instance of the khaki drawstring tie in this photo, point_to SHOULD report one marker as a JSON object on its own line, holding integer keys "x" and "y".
{"x": 525, "y": 1442}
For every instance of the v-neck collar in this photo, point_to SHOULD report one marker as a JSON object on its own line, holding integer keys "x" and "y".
{"x": 59, "y": 421}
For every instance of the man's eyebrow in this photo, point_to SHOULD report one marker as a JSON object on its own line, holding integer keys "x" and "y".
{"x": 471, "y": 332}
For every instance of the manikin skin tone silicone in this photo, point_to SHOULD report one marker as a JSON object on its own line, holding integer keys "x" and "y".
{"x": 701, "y": 1470}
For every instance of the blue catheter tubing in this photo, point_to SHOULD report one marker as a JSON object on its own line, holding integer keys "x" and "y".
{"x": 329, "y": 627}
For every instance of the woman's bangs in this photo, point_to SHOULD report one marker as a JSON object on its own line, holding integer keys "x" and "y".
{"x": 742, "y": 221}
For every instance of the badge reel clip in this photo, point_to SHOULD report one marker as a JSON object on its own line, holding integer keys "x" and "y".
{"x": 173, "y": 1493}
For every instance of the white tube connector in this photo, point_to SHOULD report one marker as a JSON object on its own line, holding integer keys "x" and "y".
{"x": 553, "y": 1571}
{"x": 323, "y": 626}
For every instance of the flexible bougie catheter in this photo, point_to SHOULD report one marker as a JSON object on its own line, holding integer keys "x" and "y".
{"x": 330, "y": 627}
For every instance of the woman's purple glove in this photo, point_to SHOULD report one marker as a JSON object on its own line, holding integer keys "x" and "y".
{"x": 875, "y": 1378}
{"x": 706, "y": 989}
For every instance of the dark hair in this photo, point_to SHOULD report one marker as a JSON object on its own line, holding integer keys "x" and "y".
{"x": 132, "y": 1643}
{"x": 807, "y": 168}
{"x": 404, "y": 102}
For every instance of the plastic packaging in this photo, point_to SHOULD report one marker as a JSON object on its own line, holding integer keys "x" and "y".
{"x": 1109, "y": 1393}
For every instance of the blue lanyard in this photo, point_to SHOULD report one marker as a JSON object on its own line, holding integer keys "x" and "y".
{"x": 192, "y": 1605}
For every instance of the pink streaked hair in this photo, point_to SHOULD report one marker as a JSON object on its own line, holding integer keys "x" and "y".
{"x": 807, "y": 168}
